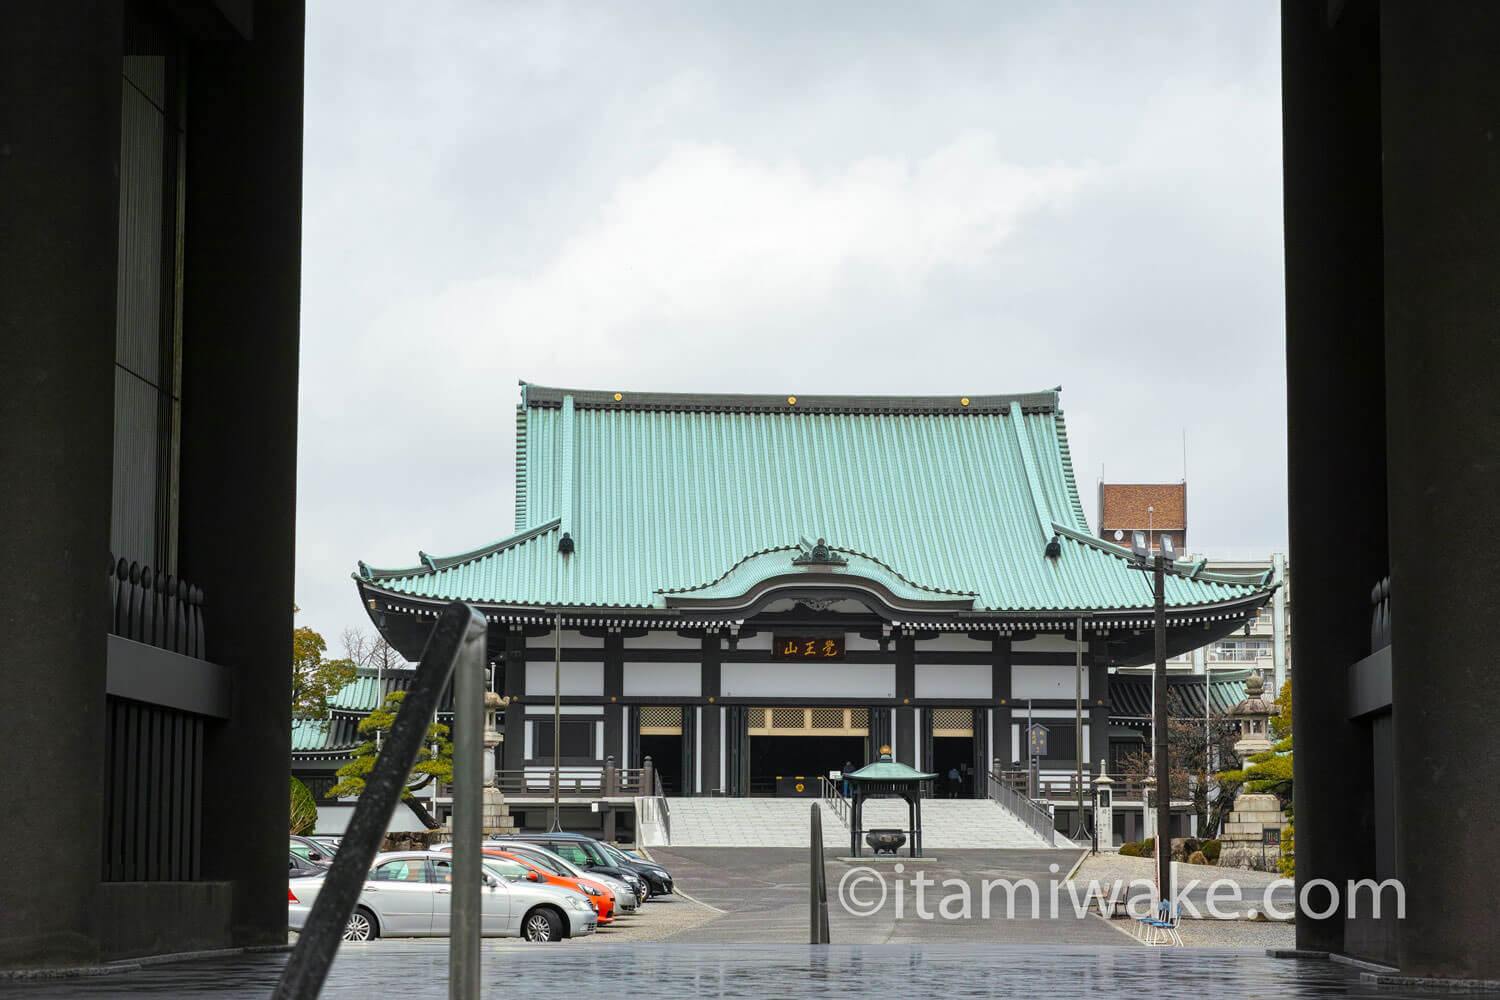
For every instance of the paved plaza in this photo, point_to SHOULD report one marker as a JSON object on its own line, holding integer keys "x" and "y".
{"x": 418, "y": 970}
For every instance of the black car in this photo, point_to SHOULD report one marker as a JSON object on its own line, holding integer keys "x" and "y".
{"x": 590, "y": 855}
{"x": 576, "y": 847}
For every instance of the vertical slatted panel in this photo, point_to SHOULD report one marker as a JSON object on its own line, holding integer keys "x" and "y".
{"x": 152, "y": 812}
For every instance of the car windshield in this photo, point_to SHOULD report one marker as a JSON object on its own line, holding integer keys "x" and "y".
{"x": 615, "y": 854}
{"x": 542, "y": 856}
{"x": 592, "y": 848}
{"x": 546, "y": 864}
{"x": 505, "y": 868}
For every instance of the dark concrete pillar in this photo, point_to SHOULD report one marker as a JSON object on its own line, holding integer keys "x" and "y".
{"x": 241, "y": 303}
{"x": 59, "y": 154}
{"x": 1439, "y": 97}
{"x": 1335, "y": 422}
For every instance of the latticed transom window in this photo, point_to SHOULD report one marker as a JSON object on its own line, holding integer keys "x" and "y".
{"x": 828, "y": 718}
{"x": 787, "y": 718}
{"x": 952, "y": 722}
{"x": 661, "y": 720}
{"x": 808, "y": 721}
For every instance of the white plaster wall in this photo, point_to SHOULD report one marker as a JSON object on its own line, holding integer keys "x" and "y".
{"x": 959, "y": 680}
{"x": 1056, "y": 681}
{"x": 802, "y": 680}
{"x": 680, "y": 680}
{"x": 577, "y": 678}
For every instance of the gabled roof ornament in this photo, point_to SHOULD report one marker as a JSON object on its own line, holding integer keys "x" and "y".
{"x": 818, "y": 554}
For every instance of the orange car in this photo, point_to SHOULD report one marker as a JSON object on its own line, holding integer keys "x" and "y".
{"x": 597, "y": 893}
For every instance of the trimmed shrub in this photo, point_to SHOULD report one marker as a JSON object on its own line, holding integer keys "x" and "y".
{"x": 1131, "y": 849}
{"x": 1197, "y": 858}
{"x": 1148, "y": 847}
{"x": 1211, "y": 850}
{"x": 303, "y": 813}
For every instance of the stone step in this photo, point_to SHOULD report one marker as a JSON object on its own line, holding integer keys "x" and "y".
{"x": 772, "y": 822}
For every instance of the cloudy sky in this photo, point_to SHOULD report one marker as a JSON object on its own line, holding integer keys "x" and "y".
{"x": 827, "y": 197}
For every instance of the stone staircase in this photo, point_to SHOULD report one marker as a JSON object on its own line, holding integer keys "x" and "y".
{"x": 772, "y": 822}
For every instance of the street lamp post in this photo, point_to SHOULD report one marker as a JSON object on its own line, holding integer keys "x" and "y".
{"x": 1163, "y": 774}
{"x": 1158, "y": 564}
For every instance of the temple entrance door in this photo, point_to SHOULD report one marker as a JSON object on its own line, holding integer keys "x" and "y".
{"x": 807, "y": 743}
{"x": 953, "y": 750}
{"x": 661, "y": 740}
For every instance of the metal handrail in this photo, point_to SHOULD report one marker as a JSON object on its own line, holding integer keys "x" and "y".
{"x": 455, "y": 649}
{"x": 841, "y": 806}
{"x": 1035, "y": 815}
{"x": 664, "y": 809}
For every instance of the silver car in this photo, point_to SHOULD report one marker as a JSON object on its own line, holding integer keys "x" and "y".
{"x": 408, "y": 894}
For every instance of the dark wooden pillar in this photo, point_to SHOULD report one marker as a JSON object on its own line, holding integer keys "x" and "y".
{"x": 513, "y": 750}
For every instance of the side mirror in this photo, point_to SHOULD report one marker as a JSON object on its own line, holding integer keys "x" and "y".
{"x": 533, "y": 877}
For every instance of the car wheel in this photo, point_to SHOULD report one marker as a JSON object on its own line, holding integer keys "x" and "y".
{"x": 361, "y": 926}
{"x": 542, "y": 924}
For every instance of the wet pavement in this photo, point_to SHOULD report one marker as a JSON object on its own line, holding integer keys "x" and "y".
{"x": 418, "y": 970}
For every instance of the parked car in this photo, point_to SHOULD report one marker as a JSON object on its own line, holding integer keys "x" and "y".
{"x": 660, "y": 879}
{"x": 408, "y": 894}
{"x": 310, "y": 850}
{"x": 628, "y": 895}
{"x": 600, "y": 895}
{"x": 586, "y": 853}
{"x": 300, "y": 867}
{"x": 507, "y": 863}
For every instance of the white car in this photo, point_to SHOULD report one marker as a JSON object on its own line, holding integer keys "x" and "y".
{"x": 409, "y": 894}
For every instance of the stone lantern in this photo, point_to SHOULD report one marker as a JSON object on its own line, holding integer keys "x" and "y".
{"x": 496, "y": 813}
{"x": 1148, "y": 805}
{"x": 1253, "y": 716}
{"x": 1104, "y": 811}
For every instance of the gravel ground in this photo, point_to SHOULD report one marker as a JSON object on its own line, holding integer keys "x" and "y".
{"x": 1108, "y": 867}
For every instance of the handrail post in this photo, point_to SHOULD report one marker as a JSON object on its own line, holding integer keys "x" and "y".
{"x": 817, "y": 882}
{"x": 468, "y": 807}
{"x": 457, "y": 631}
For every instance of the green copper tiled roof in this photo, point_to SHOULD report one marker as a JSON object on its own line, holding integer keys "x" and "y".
{"x": 695, "y": 496}
{"x": 352, "y": 702}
